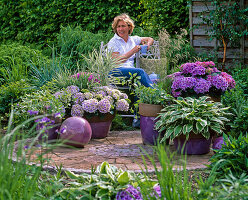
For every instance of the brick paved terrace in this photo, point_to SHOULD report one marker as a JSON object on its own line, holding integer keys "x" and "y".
{"x": 120, "y": 148}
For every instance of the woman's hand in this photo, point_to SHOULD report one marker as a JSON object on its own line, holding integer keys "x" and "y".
{"x": 136, "y": 49}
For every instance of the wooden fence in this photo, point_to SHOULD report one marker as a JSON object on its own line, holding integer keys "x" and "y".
{"x": 200, "y": 40}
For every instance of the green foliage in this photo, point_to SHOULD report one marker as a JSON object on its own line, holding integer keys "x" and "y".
{"x": 230, "y": 187}
{"x": 50, "y": 69}
{"x": 40, "y": 21}
{"x": 98, "y": 63}
{"x": 102, "y": 183}
{"x": 12, "y": 92}
{"x": 164, "y": 14}
{"x": 173, "y": 184}
{"x": 154, "y": 95}
{"x": 187, "y": 115}
{"x": 75, "y": 41}
{"x": 238, "y": 104}
{"x": 176, "y": 50}
{"x": 42, "y": 101}
{"x": 240, "y": 75}
{"x": 232, "y": 156}
{"x": 15, "y": 60}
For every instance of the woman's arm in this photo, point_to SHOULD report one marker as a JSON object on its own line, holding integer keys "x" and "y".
{"x": 127, "y": 55}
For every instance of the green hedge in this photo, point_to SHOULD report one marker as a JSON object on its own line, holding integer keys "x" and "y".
{"x": 39, "y": 21}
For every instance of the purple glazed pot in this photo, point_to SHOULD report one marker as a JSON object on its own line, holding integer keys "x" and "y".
{"x": 195, "y": 145}
{"x": 49, "y": 133}
{"x": 148, "y": 133}
{"x": 100, "y": 125}
{"x": 76, "y": 131}
{"x": 218, "y": 142}
{"x": 100, "y": 129}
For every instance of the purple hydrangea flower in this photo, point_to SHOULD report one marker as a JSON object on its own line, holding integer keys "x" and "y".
{"x": 123, "y": 96}
{"x": 122, "y": 105}
{"x": 72, "y": 89}
{"x": 199, "y": 70}
{"x": 219, "y": 82}
{"x": 230, "y": 80}
{"x": 111, "y": 100}
{"x": 90, "y": 105}
{"x": 157, "y": 190}
{"x": 131, "y": 193}
{"x": 59, "y": 94}
{"x": 78, "y": 98}
{"x": 104, "y": 106}
{"x": 115, "y": 96}
{"x": 102, "y": 93}
{"x": 202, "y": 86}
{"x": 88, "y": 95}
{"x": 77, "y": 110}
{"x": 187, "y": 68}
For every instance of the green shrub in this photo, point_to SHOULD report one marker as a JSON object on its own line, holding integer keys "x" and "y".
{"x": 232, "y": 156}
{"x": 75, "y": 41}
{"x": 164, "y": 14}
{"x": 15, "y": 60}
{"x": 12, "y": 92}
{"x": 238, "y": 103}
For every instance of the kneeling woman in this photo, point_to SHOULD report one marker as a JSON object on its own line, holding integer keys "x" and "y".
{"x": 124, "y": 47}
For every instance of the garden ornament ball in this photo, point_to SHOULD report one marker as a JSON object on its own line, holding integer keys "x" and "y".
{"x": 75, "y": 131}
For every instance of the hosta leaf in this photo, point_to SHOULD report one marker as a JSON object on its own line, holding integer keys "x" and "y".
{"x": 199, "y": 127}
{"x": 102, "y": 193}
{"x": 123, "y": 178}
{"x": 216, "y": 129}
{"x": 217, "y": 120}
{"x": 169, "y": 131}
{"x": 203, "y": 122}
{"x": 177, "y": 130}
{"x": 110, "y": 173}
{"x": 103, "y": 167}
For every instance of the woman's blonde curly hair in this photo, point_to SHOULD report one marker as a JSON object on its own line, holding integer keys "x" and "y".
{"x": 123, "y": 17}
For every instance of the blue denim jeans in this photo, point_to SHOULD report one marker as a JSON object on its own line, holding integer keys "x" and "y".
{"x": 124, "y": 71}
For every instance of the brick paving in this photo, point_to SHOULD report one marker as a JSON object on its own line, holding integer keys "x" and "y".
{"x": 120, "y": 148}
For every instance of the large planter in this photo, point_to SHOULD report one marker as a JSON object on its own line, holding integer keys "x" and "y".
{"x": 149, "y": 110}
{"x": 195, "y": 145}
{"x": 100, "y": 126}
{"x": 148, "y": 113}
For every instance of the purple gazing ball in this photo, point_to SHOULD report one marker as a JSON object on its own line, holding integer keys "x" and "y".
{"x": 76, "y": 131}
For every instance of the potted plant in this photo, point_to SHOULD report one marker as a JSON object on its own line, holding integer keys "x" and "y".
{"x": 192, "y": 122}
{"x": 151, "y": 101}
{"x": 97, "y": 105}
{"x": 199, "y": 79}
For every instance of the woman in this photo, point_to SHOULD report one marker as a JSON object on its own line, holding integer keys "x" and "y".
{"x": 124, "y": 47}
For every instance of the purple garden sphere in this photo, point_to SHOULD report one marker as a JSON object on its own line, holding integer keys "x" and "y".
{"x": 76, "y": 131}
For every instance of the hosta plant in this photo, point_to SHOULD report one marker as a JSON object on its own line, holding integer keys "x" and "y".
{"x": 187, "y": 115}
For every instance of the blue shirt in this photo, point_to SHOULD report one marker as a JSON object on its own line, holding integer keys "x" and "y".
{"x": 117, "y": 44}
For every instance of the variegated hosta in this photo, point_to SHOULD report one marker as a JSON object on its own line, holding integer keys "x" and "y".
{"x": 188, "y": 115}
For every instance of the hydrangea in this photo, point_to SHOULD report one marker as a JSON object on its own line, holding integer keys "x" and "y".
{"x": 77, "y": 110}
{"x": 202, "y": 77}
{"x": 199, "y": 70}
{"x": 220, "y": 83}
{"x": 90, "y": 105}
{"x": 88, "y": 95}
{"x": 131, "y": 193}
{"x": 111, "y": 100}
{"x": 202, "y": 86}
{"x": 78, "y": 98}
{"x": 122, "y": 105}
{"x": 123, "y": 96}
{"x": 72, "y": 89}
{"x": 104, "y": 106}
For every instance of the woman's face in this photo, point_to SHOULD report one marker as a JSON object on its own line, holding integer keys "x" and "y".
{"x": 123, "y": 29}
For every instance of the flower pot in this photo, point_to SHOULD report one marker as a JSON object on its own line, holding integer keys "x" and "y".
{"x": 149, "y": 110}
{"x": 100, "y": 125}
{"x": 215, "y": 98}
{"x": 148, "y": 133}
{"x": 218, "y": 142}
{"x": 195, "y": 145}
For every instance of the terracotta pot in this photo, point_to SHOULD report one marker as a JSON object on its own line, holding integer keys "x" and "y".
{"x": 149, "y": 110}
{"x": 195, "y": 145}
{"x": 100, "y": 126}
